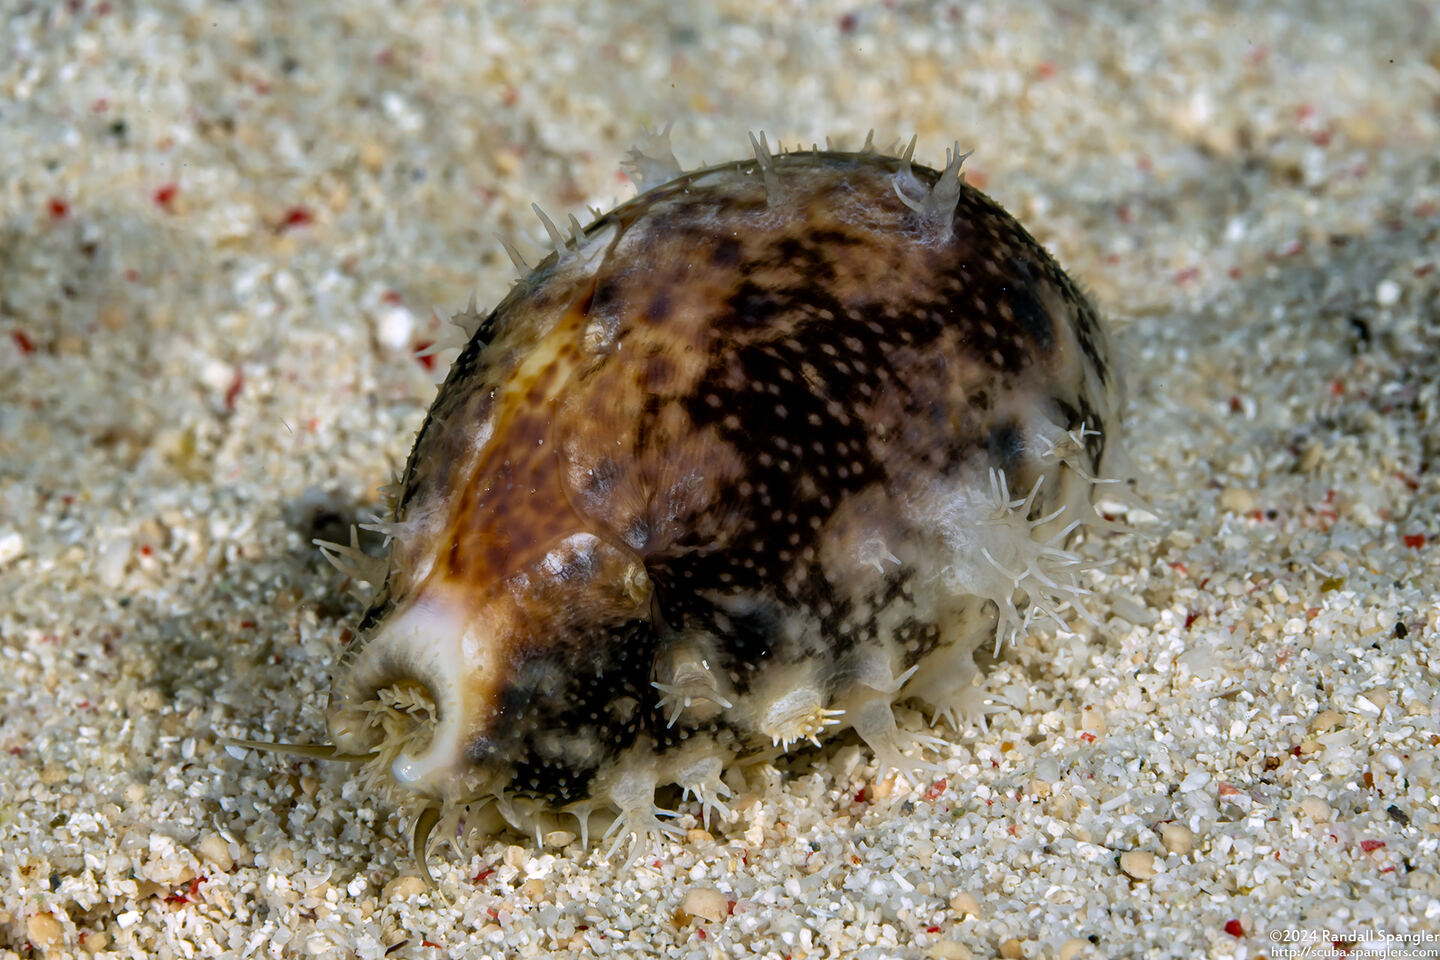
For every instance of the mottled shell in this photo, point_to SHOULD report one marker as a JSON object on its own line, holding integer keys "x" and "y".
{"x": 753, "y": 456}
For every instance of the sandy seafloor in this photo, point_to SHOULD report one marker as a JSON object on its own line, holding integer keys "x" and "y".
{"x": 224, "y": 227}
